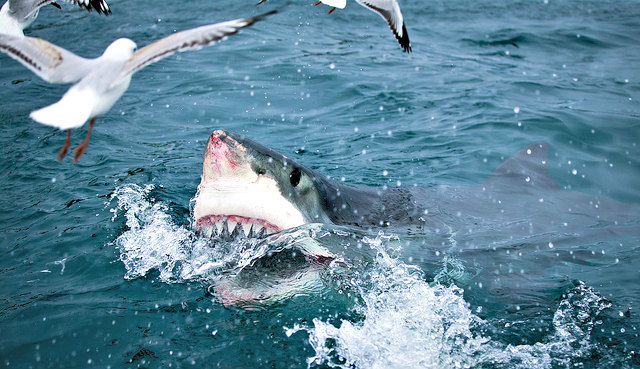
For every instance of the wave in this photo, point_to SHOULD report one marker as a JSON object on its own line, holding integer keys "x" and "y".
{"x": 399, "y": 319}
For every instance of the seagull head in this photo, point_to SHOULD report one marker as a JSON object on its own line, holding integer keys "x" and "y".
{"x": 122, "y": 48}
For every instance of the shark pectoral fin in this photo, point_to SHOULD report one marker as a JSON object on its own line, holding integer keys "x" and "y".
{"x": 530, "y": 166}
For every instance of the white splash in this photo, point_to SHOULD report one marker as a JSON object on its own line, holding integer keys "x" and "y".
{"x": 409, "y": 323}
{"x": 153, "y": 241}
{"x": 401, "y": 321}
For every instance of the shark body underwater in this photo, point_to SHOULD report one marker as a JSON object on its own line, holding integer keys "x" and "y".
{"x": 250, "y": 191}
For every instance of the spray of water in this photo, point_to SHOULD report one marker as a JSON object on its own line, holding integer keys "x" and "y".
{"x": 409, "y": 323}
{"x": 153, "y": 241}
{"x": 401, "y": 321}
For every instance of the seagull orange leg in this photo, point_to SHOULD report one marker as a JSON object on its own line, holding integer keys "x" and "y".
{"x": 317, "y": 3}
{"x": 331, "y": 10}
{"x": 65, "y": 147}
{"x": 79, "y": 151}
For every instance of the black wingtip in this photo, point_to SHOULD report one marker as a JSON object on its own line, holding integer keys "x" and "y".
{"x": 264, "y": 15}
{"x": 404, "y": 40}
{"x": 99, "y": 6}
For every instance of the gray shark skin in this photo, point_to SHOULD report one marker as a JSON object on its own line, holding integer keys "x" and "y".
{"x": 247, "y": 184}
{"x": 249, "y": 190}
{"x": 286, "y": 194}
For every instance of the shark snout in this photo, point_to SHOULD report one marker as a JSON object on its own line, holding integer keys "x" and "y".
{"x": 222, "y": 157}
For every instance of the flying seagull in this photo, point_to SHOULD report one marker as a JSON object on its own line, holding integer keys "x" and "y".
{"x": 100, "y": 82}
{"x": 16, "y": 15}
{"x": 388, "y": 9}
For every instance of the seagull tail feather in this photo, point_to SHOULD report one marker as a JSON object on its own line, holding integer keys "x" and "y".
{"x": 71, "y": 111}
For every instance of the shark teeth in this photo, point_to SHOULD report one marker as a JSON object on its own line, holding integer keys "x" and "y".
{"x": 246, "y": 228}
{"x": 227, "y": 229}
{"x": 231, "y": 226}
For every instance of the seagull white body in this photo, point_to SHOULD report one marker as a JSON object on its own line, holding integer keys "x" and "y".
{"x": 95, "y": 93}
{"x": 16, "y": 15}
{"x": 335, "y": 3}
{"x": 100, "y": 82}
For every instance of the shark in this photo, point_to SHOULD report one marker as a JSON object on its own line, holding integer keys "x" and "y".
{"x": 249, "y": 191}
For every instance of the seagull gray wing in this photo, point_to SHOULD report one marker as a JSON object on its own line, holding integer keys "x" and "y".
{"x": 390, "y": 11}
{"x": 50, "y": 62}
{"x": 191, "y": 39}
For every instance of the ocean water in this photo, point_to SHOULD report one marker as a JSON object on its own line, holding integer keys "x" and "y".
{"x": 101, "y": 266}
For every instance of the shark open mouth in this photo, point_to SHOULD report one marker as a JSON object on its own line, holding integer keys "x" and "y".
{"x": 244, "y": 192}
{"x": 234, "y": 226}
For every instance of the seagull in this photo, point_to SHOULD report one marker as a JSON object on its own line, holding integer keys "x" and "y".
{"x": 16, "y": 15}
{"x": 389, "y": 10}
{"x": 100, "y": 82}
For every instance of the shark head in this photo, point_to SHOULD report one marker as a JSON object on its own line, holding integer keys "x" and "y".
{"x": 249, "y": 190}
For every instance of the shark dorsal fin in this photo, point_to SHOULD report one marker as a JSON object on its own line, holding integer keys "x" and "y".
{"x": 529, "y": 166}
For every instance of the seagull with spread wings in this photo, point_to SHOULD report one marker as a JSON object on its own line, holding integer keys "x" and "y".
{"x": 100, "y": 82}
{"x": 16, "y": 15}
{"x": 389, "y": 10}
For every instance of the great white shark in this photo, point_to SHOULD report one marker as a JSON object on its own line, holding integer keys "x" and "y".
{"x": 248, "y": 190}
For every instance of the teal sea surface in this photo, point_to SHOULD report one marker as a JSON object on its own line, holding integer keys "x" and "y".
{"x": 101, "y": 266}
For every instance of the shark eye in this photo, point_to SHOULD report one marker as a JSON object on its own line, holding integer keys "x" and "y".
{"x": 294, "y": 177}
{"x": 261, "y": 172}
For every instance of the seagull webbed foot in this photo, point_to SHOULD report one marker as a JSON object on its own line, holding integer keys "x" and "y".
{"x": 80, "y": 149}
{"x": 65, "y": 147}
